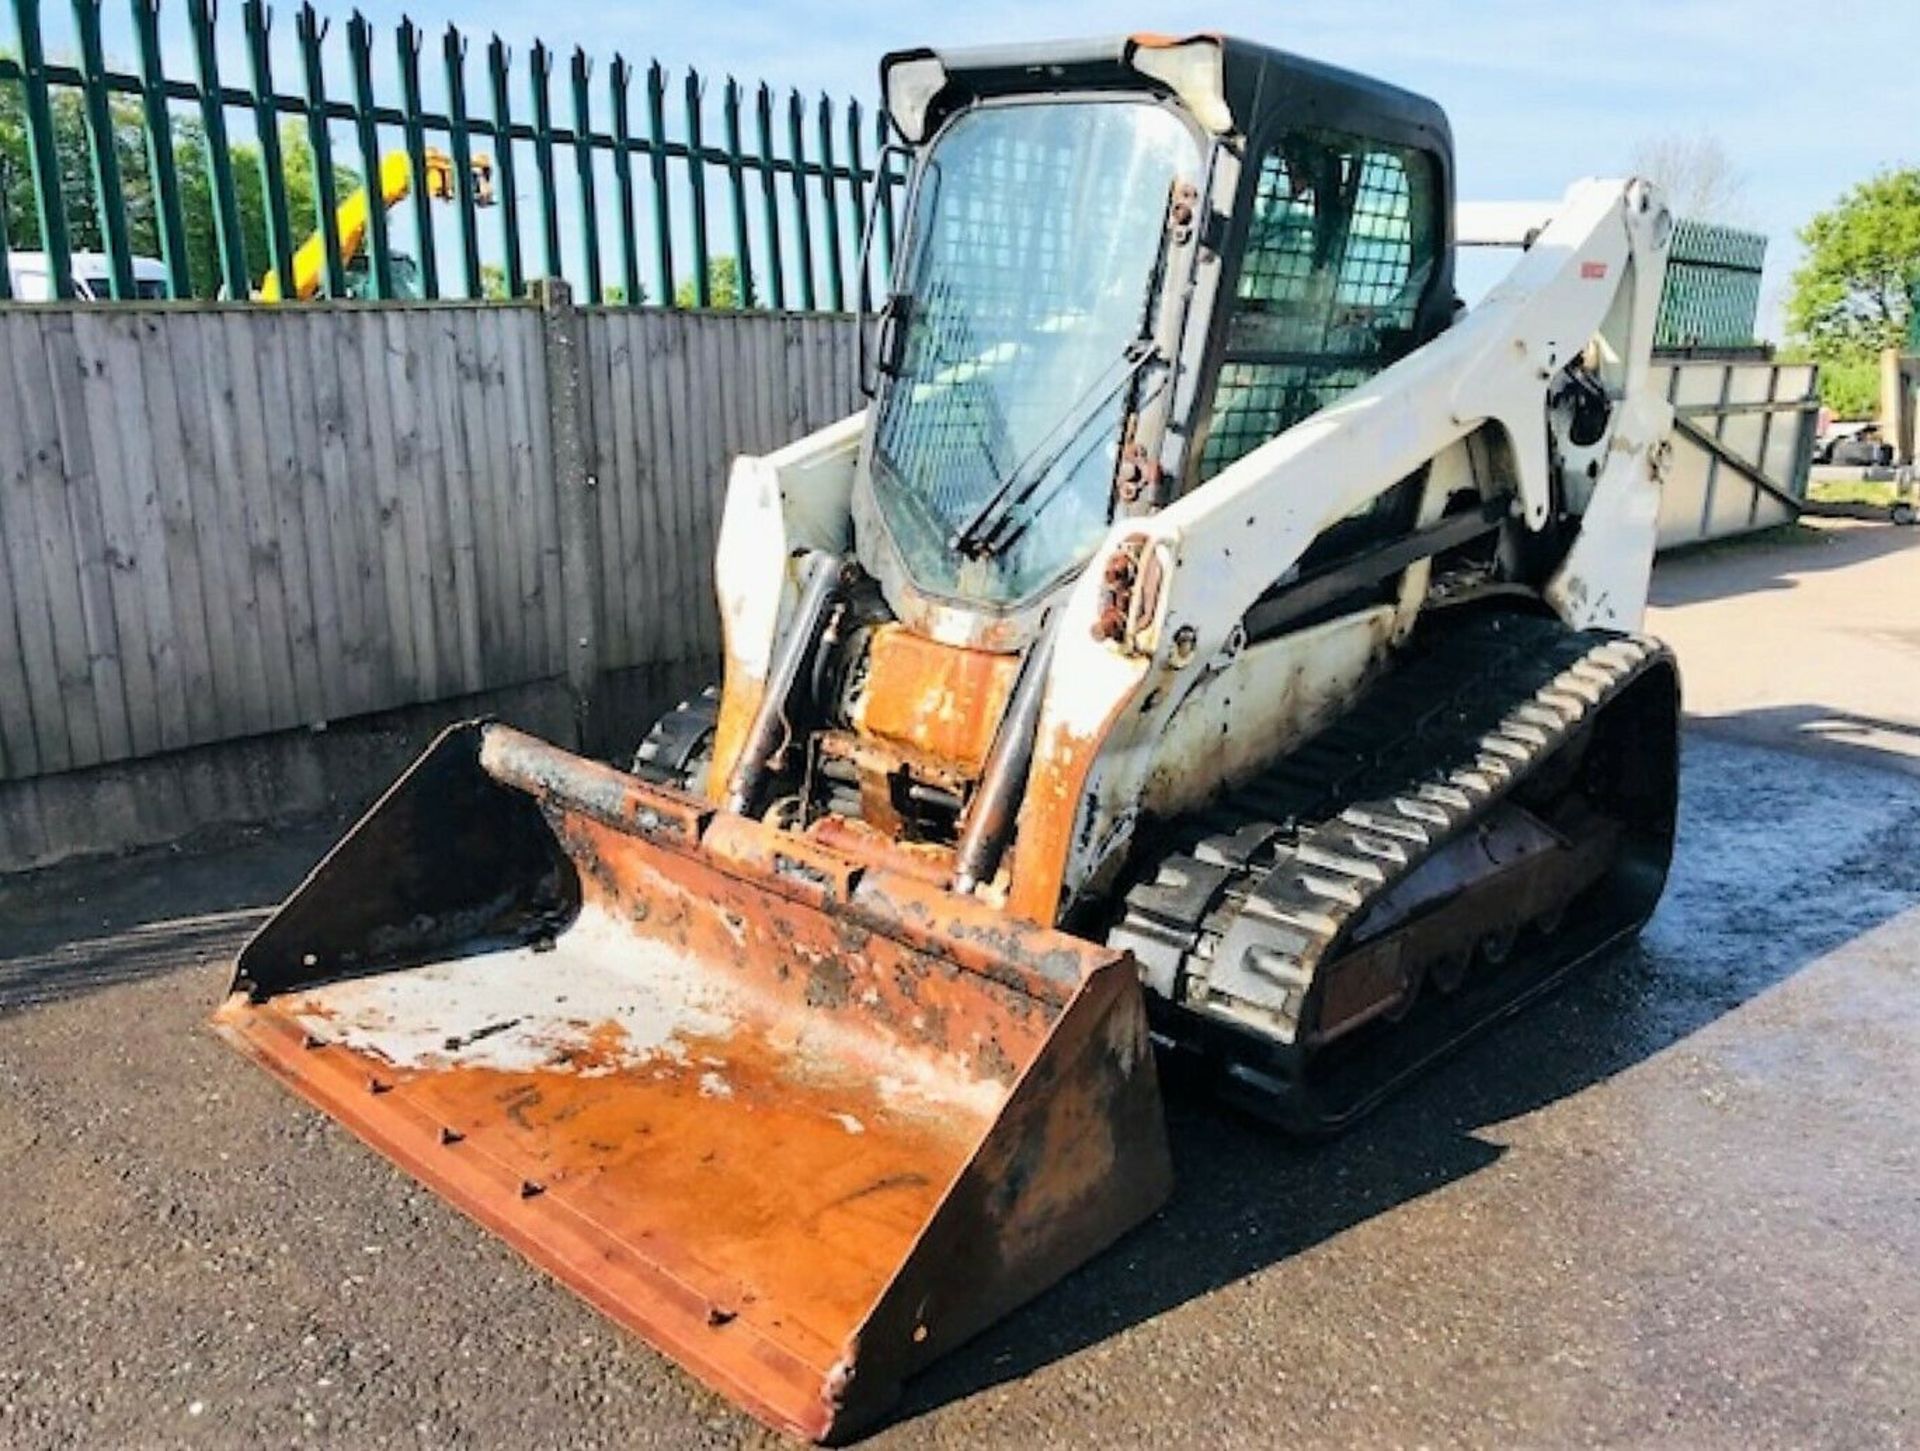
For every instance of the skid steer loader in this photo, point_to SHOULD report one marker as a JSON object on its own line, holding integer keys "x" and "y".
{"x": 1211, "y": 650}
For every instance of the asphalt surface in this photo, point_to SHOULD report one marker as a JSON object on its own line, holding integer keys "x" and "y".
{"x": 1811, "y": 641}
{"x": 1678, "y": 1203}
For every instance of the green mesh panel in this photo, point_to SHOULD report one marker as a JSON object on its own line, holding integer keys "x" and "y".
{"x": 1712, "y": 294}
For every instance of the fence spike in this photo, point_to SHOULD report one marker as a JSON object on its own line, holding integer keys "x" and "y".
{"x": 266, "y": 122}
{"x": 857, "y": 186}
{"x": 830, "y": 193}
{"x": 229, "y": 241}
{"x": 311, "y": 30}
{"x": 42, "y": 150}
{"x": 796, "y": 142}
{"x": 582, "y": 71}
{"x": 379, "y": 252}
{"x": 697, "y": 184}
{"x": 103, "y": 162}
{"x": 407, "y": 37}
{"x": 737, "y": 193}
{"x": 162, "y": 165}
{"x": 756, "y": 233}
{"x": 769, "y": 193}
{"x": 453, "y": 51}
{"x": 619, "y": 82}
{"x": 657, "y": 164}
{"x": 499, "y": 71}
{"x": 540, "y": 76}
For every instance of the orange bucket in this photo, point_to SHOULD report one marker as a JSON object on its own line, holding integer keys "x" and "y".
{"x": 803, "y": 1126}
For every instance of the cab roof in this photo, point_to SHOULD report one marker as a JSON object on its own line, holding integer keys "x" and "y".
{"x": 1259, "y": 85}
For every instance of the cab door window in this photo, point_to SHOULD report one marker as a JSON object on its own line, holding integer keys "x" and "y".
{"x": 1341, "y": 250}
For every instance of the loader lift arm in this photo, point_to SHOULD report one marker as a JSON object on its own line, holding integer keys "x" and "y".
{"x": 354, "y": 217}
{"x": 1598, "y": 259}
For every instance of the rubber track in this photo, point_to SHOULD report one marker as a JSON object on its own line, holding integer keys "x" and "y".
{"x": 1236, "y": 920}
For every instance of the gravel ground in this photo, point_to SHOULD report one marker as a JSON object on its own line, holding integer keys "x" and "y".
{"x": 1679, "y": 1202}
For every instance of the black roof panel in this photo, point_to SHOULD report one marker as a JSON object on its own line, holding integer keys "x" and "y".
{"x": 1262, "y": 83}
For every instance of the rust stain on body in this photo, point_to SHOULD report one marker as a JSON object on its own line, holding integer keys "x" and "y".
{"x": 940, "y": 700}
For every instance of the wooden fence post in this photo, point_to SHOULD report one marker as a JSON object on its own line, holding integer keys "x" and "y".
{"x": 580, "y": 562}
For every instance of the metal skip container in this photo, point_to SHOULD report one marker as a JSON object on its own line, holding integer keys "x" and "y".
{"x": 802, "y": 1125}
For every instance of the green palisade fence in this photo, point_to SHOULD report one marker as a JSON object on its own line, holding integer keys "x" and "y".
{"x": 1712, "y": 294}
{"x": 632, "y": 186}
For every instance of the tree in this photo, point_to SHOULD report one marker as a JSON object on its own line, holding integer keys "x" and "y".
{"x": 19, "y": 213}
{"x": 1698, "y": 176}
{"x": 1852, "y": 388}
{"x": 250, "y": 198}
{"x": 73, "y": 160}
{"x": 1854, "y": 293}
{"x": 723, "y": 286}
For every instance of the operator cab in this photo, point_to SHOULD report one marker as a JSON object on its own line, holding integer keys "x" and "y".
{"x": 1124, "y": 266}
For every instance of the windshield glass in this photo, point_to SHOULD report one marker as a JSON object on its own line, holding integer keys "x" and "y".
{"x": 1035, "y": 235}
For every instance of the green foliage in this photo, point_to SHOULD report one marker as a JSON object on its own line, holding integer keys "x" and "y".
{"x": 20, "y": 218}
{"x": 70, "y": 151}
{"x": 1854, "y": 293}
{"x": 1848, "y": 386}
{"x": 191, "y": 162}
{"x": 723, "y": 286}
{"x": 1852, "y": 491}
{"x": 1851, "y": 387}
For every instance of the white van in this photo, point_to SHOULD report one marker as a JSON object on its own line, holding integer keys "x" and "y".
{"x": 92, "y": 274}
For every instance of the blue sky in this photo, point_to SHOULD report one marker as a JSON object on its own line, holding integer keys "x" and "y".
{"x": 1539, "y": 92}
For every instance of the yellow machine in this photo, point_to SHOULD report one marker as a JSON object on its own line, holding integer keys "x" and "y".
{"x": 355, "y": 216}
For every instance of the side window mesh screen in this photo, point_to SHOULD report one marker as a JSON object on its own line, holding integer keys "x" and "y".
{"x": 1340, "y": 250}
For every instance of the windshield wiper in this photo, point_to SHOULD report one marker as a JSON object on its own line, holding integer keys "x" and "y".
{"x": 979, "y": 537}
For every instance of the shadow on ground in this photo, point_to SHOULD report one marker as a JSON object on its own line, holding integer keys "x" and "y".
{"x": 1866, "y": 740}
{"x": 1726, "y": 569}
{"x": 77, "y": 929}
{"x": 1762, "y": 834}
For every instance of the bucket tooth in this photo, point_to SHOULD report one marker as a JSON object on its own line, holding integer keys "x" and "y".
{"x": 803, "y": 1130}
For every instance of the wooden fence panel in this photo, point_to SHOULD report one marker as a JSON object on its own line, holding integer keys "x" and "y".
{"x": 86, "y": 542}
{"x": 46, "y": 656}
{"x": 674, "y": 398}
{"x": 218, "y": 522}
